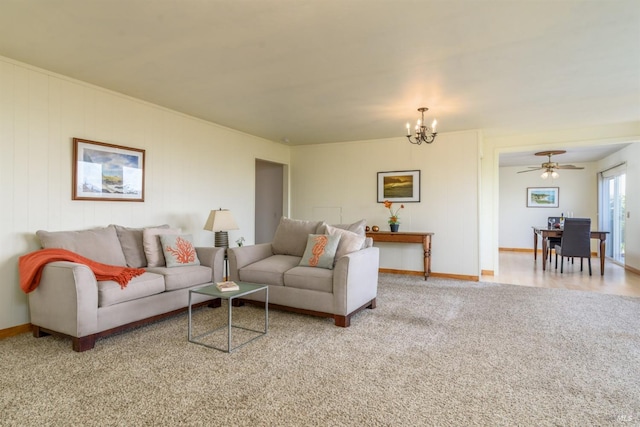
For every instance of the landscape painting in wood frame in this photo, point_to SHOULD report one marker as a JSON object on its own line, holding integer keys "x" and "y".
{"x": 543, "y": 197}
{"x": 399, "y": 186}
{"x": 107, "y": 172}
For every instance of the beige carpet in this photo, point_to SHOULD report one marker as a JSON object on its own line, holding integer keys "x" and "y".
{"x": 441, "y": 353}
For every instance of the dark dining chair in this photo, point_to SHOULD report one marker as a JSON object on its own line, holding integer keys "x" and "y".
{"x": 575, "y": 241}
{"x": 553, "y": 222}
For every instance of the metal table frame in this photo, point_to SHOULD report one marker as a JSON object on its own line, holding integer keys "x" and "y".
{"x": 212, "y": 290}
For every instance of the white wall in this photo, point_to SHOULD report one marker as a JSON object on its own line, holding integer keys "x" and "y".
{"x": 577, "y": 193}
{"x": 630, "y": 155}
{"x": 192, "y": 167}
{"x": 337, "y": 183}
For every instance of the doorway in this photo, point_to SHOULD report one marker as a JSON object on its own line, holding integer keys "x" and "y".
{"x": 269, "y": 199}
{"x": 612, "y": 183}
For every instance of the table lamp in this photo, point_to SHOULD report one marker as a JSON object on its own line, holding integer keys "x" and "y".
{"x": 220, "y": 222}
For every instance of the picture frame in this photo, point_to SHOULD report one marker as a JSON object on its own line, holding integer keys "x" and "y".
{"x": 543, "y": 197}
{"x": 107, "y": 172}
{"x": 399, "y": 186}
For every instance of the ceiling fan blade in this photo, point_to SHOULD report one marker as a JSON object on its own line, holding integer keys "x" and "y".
{"x": 569, "y": 167}
{"x": 531, "y": 170}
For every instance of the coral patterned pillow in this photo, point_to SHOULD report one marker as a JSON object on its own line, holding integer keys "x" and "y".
{"x": 178, "y": 250}
{"x": 320, "y": 251}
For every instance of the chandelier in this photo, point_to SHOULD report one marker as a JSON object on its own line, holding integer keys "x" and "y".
{"x": 423, "y": 133}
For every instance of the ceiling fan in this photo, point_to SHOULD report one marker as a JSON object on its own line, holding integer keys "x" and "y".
{"x": 550, "y": 167}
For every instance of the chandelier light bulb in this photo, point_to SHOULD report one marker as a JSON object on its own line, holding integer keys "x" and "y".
{"x": 554, "y": 174}
{"x": 544, "y": 175}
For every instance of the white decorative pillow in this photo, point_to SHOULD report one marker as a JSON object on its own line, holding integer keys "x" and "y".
{"x": 349, "y": 241}
{"x": 320, "y": 251}
{"x": 153, "y": 247}
{"x": 178, "y": 250}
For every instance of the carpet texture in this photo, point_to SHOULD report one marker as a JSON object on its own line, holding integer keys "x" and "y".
{"x": 435, "y": 353}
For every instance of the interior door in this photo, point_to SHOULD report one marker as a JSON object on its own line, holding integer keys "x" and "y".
{"x": 269, "y": 198}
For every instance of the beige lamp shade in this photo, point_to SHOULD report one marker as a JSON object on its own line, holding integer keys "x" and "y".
{"x": 221, "y": 220}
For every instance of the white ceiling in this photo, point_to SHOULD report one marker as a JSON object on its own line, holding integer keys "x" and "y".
{"x": 573, "y": 155}
{"x": 316, "y": 71}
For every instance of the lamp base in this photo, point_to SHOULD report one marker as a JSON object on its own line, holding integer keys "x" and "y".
{"x": 222, "y": 239}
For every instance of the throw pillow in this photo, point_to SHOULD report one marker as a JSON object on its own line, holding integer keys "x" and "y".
{"x": 349, "y": 241}
{"x": 320, "y": 251}
{"x": 131, "y": 242}
{"x": 357, "y": 227}
{"x": 291, "y": 236}
{"x": 153, "y": 247}
{"x": 178, "y": 250}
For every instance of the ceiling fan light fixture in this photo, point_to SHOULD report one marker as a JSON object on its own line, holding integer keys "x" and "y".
{"x": 550, "y": 167}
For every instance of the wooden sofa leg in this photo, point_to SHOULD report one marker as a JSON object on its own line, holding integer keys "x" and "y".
{"x": 83, "y": 343}
{"x": 373, "y": 304}
{"x": 343, "y": 321}
{"x": 37, "y": 332}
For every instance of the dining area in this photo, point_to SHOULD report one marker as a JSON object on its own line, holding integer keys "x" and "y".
{"x": 568, "y": 238}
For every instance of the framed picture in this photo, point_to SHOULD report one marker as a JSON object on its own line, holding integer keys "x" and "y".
{"x": 107, "y": 172}
{"x": 543, "y": 197}
{"x": 399, "y": 186}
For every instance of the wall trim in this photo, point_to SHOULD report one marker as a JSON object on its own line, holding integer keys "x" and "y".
{"x": 631, "y": 269}
{"x": 421, "y": 273}
{"x": 593, "y": 254}
{"x": 15, "y": 330}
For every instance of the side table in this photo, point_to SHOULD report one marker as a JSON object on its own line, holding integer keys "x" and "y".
{"x": 245, "y": 289}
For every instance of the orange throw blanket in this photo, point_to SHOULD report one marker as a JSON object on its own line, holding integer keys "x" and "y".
{"x": 30, "y": 267}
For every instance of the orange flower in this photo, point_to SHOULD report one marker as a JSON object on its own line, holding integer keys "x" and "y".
{"x": 393, "y": 219}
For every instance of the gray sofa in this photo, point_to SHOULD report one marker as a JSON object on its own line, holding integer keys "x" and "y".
{"x": 70, "y": 301}
{"x": 337, "y": 291}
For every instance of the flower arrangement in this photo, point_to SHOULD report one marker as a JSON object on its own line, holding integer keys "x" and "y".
{"x": 394, "y": 218}
{"x": 240, "y": 242}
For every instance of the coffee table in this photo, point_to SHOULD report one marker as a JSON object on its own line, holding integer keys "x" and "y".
{"x": 245, "y": 289}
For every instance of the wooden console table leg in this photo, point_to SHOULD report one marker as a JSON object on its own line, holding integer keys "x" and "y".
{"x": 426, "y": 245}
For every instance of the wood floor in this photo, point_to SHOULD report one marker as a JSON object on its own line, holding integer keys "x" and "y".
{"x": 519, "y": 268}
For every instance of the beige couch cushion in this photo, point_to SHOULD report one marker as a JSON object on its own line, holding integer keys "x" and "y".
{"x": 315, "y": 279}
{"x": 349, "y": 241}
{"x": 131, "y": 242}
{"x": 269, "y": 271}
{"x": 357, "y": 227}
{"x": 110, "y": 293}
{"x": 291, "y": 236}
{"x": 183, "y": 277}
{"x": 98, "y": 244}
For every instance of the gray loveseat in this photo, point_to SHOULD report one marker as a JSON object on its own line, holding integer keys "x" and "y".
{"x": 70, "y": 301}
{"x": 339, "y": 291}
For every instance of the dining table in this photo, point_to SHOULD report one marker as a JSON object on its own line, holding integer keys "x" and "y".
{"x": 545, "y": 232}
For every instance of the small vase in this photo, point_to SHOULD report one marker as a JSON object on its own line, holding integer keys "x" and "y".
{"x": 394, "y": 227}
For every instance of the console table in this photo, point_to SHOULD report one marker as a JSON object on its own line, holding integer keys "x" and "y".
{"x": 407, "y": 237}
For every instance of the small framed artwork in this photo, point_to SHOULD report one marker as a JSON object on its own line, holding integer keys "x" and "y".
{"x": 399, "y": 186}
{"x": 543, "y": 197}
{"x": 107, "y": 172}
